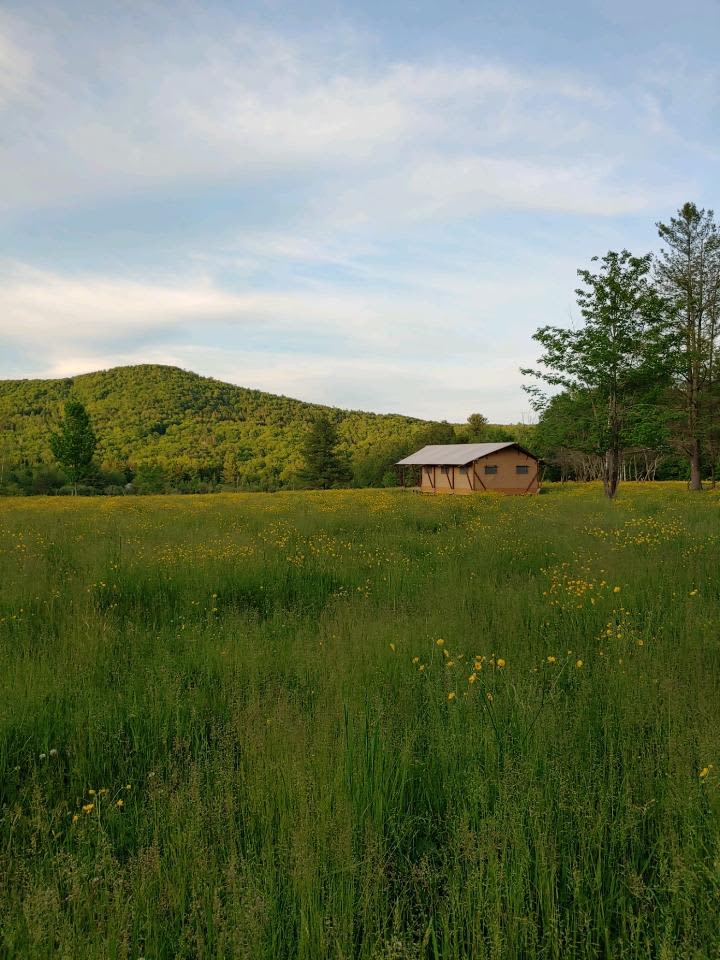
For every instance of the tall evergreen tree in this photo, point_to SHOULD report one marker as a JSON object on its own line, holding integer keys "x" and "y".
{"x": 619, "y": 353}
{"x": 74, "y": 443}
{"x": 688, "y": 271}
{"x": 323, "y": 467}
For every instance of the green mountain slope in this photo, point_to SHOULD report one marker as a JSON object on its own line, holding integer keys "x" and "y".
{"x": 200, "y": 428}
{"x": 190, "y": 424}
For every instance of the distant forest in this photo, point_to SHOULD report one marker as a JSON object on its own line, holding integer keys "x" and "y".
{"x": 162, "y": 429}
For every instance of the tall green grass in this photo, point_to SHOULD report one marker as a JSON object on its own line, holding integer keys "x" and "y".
{"x": 296, "y": 768}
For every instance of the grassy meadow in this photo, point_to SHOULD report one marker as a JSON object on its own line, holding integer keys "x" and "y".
{"x": 362, "y": 724}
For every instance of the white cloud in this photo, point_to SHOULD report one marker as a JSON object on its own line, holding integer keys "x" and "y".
{"x": 373, "y": 350}
{"x": 114, "y": 116}
{"x": 355, "y": 170}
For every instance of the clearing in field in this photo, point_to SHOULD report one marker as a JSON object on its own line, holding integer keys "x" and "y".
{"x": 361, "y": 725}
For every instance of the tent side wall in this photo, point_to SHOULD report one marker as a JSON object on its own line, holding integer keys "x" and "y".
{"x": 505, "y": 478}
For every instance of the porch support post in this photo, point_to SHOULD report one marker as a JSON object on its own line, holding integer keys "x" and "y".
{"x": 477, "y": 476}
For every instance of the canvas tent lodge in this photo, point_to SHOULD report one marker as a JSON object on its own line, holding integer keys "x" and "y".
{"x": 473, "y": 468}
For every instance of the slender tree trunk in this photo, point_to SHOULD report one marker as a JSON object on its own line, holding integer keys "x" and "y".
{"x": 612, "y": 465}
{"x": 611, "y": 473}
{"x": 695, "y": 475}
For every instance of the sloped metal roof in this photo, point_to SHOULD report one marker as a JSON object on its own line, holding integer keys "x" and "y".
{"x": 453, "y": 454}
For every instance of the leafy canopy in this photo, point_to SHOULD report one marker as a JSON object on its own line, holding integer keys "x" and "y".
{"x": 624, "y": 347}
{"x": 74, "y": 443}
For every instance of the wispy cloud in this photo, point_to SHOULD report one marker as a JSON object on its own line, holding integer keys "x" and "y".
{"x": 401, "y": 220}
{"x": 252, "y": 106}
{"x": 372, "y": 349}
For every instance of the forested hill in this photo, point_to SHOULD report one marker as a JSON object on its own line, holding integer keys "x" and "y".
{"x": 197, "y": 427}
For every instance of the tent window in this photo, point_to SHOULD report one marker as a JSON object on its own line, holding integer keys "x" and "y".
{"x": 491, "y": 468}
{"x": 522, "y": 468}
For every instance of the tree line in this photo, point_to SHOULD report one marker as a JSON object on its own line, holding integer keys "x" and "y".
{"x": 637, "y": 383}
{"x": 324, "y": 462}
{"x": 160, "y": 429}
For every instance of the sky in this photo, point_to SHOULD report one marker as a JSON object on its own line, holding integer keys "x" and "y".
{"x": 372, "y": 205}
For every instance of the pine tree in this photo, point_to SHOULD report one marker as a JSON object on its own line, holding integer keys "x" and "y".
{"x": 323, "y": 467}
{"x": 688, "y": 271}
{"x": 74, "y": 443}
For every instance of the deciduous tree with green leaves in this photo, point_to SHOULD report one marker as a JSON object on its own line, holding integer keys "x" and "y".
{"x": 478, "y": 426}
{"x": 74, "y": 443}
{"x": 623, "y": 349}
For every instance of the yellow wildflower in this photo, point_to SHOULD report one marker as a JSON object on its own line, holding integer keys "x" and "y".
{"x": 392, "y": 647}
{"x": 416, "y": 659}
{"x": 551, "y": 659}
{"x": 579, "y": 664}
{"x": 500, "y": 662}
{"x": 694, "y": 593}
{"x": 704, "y": 772}
{"x": 440, "y": 643}
{"x": 91, "y": 793}
{"x": 452, "y": 695}
{"x": 88, "y": 808}
{"x": 489, "y": 696}
{"x": 616, "y": 589}
{"x": 421, "y": 667}
{"x": 75, "y": 818}
{"x": 120, "y": 803}
{"x": 472, "y": 678}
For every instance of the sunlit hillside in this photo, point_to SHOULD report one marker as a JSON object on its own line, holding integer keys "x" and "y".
{"x": 188, "y": 424}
